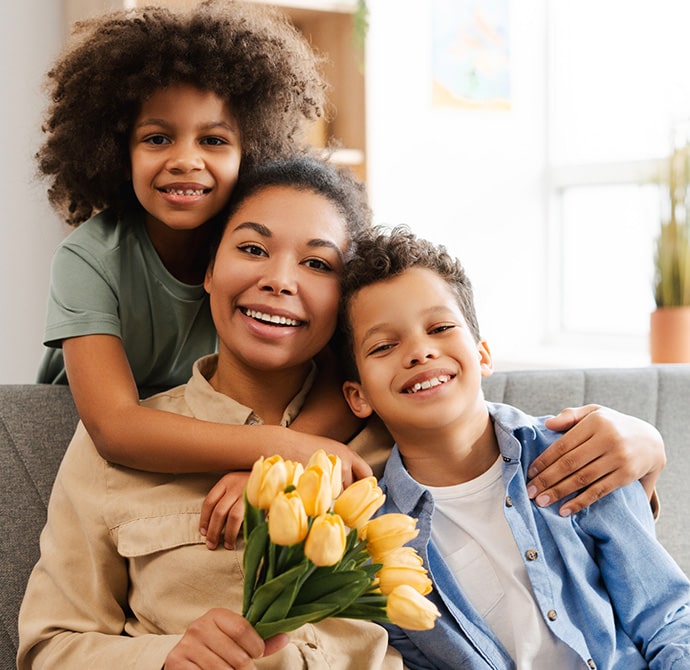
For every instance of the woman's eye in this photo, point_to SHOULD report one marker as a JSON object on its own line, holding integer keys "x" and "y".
{"x": 318, "y": 264}
{"x": 156, "y": 139}
{"x": 252, "y": 249}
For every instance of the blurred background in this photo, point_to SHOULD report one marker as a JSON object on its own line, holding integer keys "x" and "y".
{"x": 531, "y": 137}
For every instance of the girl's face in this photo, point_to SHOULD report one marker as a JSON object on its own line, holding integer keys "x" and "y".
{"x": 185, "y": 154}
{"x": 274, "y": 283}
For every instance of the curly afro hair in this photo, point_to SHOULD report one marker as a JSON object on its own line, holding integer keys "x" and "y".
{"x": 249, "y": 55}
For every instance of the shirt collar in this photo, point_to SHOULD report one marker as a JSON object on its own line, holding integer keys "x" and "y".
{"x": 208, "y": 404}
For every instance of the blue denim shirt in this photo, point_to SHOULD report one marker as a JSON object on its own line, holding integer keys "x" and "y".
{"x": 604, "y": 584}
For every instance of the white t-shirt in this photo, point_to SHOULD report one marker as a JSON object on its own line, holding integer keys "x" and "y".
{"x": 473, "y": 537}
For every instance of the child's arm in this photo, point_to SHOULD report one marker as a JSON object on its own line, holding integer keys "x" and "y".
{"x": 130, "y": 434}
{"x": 602, "y": 451}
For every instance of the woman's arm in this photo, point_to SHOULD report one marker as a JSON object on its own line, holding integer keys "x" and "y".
{"x": 144, "y": 438}
{"x": 602, "y": 451}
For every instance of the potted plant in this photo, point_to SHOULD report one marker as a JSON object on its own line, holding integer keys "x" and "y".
{"x": 670, "y": 322}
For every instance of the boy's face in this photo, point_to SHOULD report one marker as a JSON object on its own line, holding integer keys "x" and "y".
{"x": 274, "y": 283}
{"x": 185, "y": 155}
{"x": 420, "y": 367}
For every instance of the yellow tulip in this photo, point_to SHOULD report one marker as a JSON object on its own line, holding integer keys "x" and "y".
{"x": 359, "y": 501}
{"x": 333, "y": 466}
{"x": 294, "y": 472}
{"x": 325, "y": 543}
{"x": 314, "y": 487}
{"x": 387, "y": 532}
{"x": 409, "y": 609}
{"x": 268, "y": 477}
{"x": 392, "y": 576}
{"x": 287, "y": 520}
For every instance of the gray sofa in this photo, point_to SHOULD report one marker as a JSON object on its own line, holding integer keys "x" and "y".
{"x": 36, "y": 422}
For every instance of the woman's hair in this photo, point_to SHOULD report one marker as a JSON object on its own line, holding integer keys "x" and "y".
{"x": 306, "y": 172}
{"x": 383, "y": 254}
{"x": 249, "y": 55}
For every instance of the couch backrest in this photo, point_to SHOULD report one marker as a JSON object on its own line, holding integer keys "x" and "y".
{"x": 37, "y": 422}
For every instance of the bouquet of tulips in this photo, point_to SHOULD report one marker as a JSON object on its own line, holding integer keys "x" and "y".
{"x": 313, "y": 551}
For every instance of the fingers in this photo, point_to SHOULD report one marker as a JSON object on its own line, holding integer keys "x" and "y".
{"x": 223, "y": 511}
{"x": 568, "y": 417}
{"x": 218, "y": 639}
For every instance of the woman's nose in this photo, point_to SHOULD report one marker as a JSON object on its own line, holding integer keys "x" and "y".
{"x": 279, "y": 278}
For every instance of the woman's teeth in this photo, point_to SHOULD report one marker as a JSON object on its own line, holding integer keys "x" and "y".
{"x": 272, "y": 319}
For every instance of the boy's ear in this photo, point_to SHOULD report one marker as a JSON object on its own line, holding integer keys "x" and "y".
{"x": 486, "y": 362}
{"x": 355, "y": 399}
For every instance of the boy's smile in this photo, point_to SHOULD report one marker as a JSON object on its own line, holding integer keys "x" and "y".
{"x": 274, "y": 283}
{"x": 185, "y": 155}
{"x": 420, "y": 367}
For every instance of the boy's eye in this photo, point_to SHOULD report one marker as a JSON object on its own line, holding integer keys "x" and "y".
{"x": 252, "y": 249}
{"x": 441, "y": 329}
{"x": 156, "y": 139}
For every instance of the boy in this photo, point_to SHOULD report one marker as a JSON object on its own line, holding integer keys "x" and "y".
{"x": 518, "y": 585}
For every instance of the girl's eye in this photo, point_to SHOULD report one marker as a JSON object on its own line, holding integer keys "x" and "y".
{"x": 252, "y": 249}
{"x": 214, "y": 141}
{"x": 156, "y": 139}
{"x": 318, "y": 264}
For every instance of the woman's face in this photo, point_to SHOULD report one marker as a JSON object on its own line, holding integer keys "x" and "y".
{"x": 274, "y": 283}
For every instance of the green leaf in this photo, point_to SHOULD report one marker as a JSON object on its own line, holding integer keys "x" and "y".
{"x": 269, "y": 591}
{"x": 254, "y": 551}
{"x": 322, "y": 584}
{"x": 266, "y": 630}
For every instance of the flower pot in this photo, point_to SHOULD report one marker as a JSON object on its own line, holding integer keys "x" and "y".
{"x": 669, "y": 335}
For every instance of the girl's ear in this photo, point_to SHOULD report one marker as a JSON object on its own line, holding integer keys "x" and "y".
{"x": 356, "y": 400}
{"x": 486, "y": 362}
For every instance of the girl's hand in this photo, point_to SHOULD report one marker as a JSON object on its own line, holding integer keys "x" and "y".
{"x": 602, "y": 451}
{"x": 223, "y": 510}
{"x": 221, "y": 639}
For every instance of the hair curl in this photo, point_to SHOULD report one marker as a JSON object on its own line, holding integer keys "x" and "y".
{"x": 249, "y": 55}
{"x": 383, "y": 254}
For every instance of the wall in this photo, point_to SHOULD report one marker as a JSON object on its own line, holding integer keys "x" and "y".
{"x": 30, "y": 35}
{"x": 470, "y": 179}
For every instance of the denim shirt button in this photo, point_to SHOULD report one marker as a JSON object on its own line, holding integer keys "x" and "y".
{"x": 509, "y": 501}
{"x": 592, "y": 664}
{"x": 552, "y": 615}
{"x": 531, "y": 554}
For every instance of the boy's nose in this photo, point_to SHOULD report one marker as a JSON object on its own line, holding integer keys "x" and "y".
{"x": 419, "y": 351}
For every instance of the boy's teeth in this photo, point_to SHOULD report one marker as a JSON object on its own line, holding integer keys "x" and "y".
{"x": 268, "y": 318}
{"x": 428, "y": 383}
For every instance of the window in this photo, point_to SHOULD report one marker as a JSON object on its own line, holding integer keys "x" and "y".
{"x": 618, "y": 86}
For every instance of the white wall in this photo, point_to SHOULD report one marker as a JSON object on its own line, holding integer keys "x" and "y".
{"x": 471, "y": 179}
{"x": 30, "y": 35}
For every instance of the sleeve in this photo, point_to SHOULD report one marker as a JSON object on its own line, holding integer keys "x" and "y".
{"x": 74, "y": 610}
{"x": 83, "y": 297}
{"x": 649, "y": 591}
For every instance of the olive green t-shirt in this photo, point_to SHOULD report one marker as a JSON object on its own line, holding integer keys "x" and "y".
{"x": 107, "y": 279}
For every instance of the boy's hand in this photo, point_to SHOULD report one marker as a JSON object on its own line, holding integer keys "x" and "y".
{"x": 221, "y": 639}
{"x": 602, "y": 451}
{"x": 224, "y": 509}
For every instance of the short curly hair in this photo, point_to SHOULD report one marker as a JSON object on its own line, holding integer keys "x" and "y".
{"x": 251, "y": 56}
{"x": 382, "y": 254}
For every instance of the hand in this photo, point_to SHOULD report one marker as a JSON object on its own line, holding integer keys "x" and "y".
{"x": 224, "y": 509}
{"x": 221, "y": 639}
{"x": 602, "y": 451}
